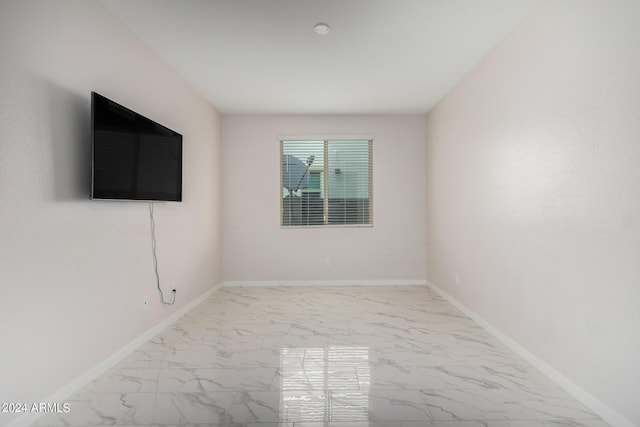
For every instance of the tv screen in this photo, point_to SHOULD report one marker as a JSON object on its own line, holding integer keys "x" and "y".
{"x": 134, "y": 158}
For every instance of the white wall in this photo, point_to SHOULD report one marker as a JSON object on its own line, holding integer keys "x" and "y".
{"x": 533, "y": 166}
{"x": 257, "y": 249}
{"x": 73, "y": 271}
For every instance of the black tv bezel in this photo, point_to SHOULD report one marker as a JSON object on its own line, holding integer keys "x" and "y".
{"x": 150, "y": 121}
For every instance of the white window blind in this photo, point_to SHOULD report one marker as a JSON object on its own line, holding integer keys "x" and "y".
{"x": 326, "y": 182}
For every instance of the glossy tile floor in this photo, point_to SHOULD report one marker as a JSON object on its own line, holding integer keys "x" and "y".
{"x": 311, "y": 356}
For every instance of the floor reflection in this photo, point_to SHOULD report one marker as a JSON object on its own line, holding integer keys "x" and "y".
{"x": 325, "y": 384}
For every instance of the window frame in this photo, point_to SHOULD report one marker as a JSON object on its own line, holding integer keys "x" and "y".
{"x": 324, "y": 191}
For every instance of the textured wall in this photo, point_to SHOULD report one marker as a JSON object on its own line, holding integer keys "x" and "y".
{"x": 73, "y": 271}
{"x": 533, "y": 165}
{"x": 257, "y": 249}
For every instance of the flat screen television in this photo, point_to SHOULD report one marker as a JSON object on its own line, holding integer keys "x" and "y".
{"x": 133, "y": 157}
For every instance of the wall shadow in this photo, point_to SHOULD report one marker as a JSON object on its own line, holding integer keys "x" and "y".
{"x": 70, "y": 126}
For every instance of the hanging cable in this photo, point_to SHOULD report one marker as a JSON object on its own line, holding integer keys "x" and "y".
{"x": 155, "y": 257}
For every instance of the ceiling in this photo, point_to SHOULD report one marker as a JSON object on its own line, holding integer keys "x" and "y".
{"x": 380, "y": 56}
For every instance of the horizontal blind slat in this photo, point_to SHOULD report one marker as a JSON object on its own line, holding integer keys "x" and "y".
{"x": 340, "y": 168}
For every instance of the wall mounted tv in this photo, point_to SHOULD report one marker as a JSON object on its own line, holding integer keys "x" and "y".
{"x": 133, "y": 157}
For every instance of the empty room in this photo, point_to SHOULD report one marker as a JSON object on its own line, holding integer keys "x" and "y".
{"x": 304, "y": 213}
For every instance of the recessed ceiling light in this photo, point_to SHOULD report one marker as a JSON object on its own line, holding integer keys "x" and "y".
{"x": 321, "y": 29}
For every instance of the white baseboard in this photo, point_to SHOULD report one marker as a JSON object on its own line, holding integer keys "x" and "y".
{"x": 84, "y": 379}
{"x": 597, "y": 406}
{"x": 417, "y": 282}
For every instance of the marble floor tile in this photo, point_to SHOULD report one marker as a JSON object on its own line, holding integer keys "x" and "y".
{"x": 551, "y": 404}
{"x": 259, "y": 358}
{"x": 397, "y": 405}
{"x": 349, "y": 424}
{"x": 294, "y": 341}
{"x": 457, "y": 424}
{"x": 392, "y": 376}
{"x": 130, "y": 380}
{"x": 193, "y": 408}
{"x": 387, "y": 356}
{"x": 470, "y": 405}
{"x": 215, "y": 379}
{"x": 192, "y": 359}
{"x": 558, "y": 423}
{"x": 318, "y": 328}
{"x": 259, "y": 406}
{"x": 498, "y": 376}
{"x": 89, "y": 409}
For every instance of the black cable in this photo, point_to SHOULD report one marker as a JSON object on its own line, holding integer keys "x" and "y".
{"x": 155, "y": 257}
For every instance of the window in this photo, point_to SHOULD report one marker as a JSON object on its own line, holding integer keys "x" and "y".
{"x": 326, "y": 183}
